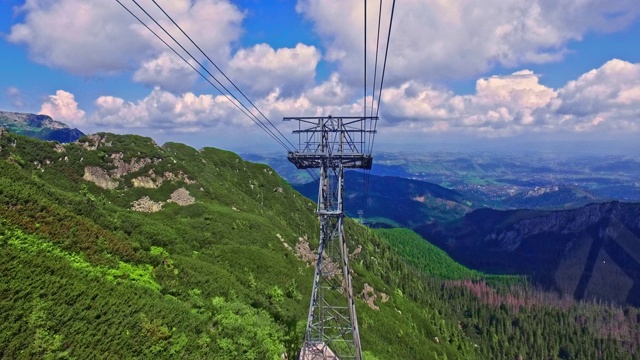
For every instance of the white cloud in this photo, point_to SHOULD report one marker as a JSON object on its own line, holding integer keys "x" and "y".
{"x": 63, "y": 107}
{"x": 441, "y": 40}
{"x": 212, "y": 24}
{"x": 432, "y": 41}
{"x": 166, "y": 112}
{"x": 82, "y": 37}
{"x": 262, "y": 69}
{"x": 276, "y": 107}
{"x": 605, "y": 100}
{"x": 607, "y": 97}
{"x": 331, "y": 92}
{"x": 167, "y": 71}
{"x": 516, "y": 95}
{"x": 93, "y": 36}
{"x": 501, "y": 105}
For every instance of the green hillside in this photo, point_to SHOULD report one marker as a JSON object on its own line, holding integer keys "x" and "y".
{"x": 432, "y": 261}
{"x": 216, "y": 276}
{"x": 424, "y": 256}
{"x": 116, "y": 248}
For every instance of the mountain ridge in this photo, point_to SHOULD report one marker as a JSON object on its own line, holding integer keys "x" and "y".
{"x": 231, "y": 259}
{"x": 41, "y": 127}
{"x": 396, "y": 201}
{"x": 569, "y": 251}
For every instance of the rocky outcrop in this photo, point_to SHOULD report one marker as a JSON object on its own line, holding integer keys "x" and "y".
{"x": 59, "y": 148}
{"x": 100, "y": 177}
{"x": 145, "y": 204}
{"x": 369, "y": 295}
{"x": 304, "y": 252}
{"x": 144, "y": 182}
{"x": 153, "y": 181}
{"x": 179, "y": 176}
{"x": 94, "y": 141}
{"x": 355, "y": 252}
{"x": 182, "y": 197}
{"x": 122, "y": 168}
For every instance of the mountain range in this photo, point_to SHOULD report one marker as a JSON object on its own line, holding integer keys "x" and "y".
{"x": 395, "y": 201}
{"x": 115, "y": 247}
{"x": 591, "y": 252}
{"x": 38, "y": 126}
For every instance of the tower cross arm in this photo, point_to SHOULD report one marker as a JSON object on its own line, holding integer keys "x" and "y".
{"x": 340, "y": 141}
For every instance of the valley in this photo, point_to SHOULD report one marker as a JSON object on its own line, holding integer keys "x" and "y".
{"x": 116, "y": 245}
{"x": 567, "y": 223}
{"x": 589, "y": 253}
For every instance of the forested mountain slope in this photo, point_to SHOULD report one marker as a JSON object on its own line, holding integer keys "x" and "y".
{"x": 591, "y": 252}
{"x": 113, "y": 247}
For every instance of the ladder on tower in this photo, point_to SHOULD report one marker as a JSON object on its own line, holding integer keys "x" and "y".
{"x": 332, "y": 144}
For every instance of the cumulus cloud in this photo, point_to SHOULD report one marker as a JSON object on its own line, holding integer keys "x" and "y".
{"x": 88, "y": 37}
{"x": 501, "y": 104}
{"x": 262, "y": 69}
{"x": 63, "y": 107}
{"x": 441, "y": 40}
{"x": 607, "y": 97}
{"x": 167, "y": 71}
{"x": 604, "y": 99}
{"x": 333, "y": 91}
{"x": 166, "y": 112}
{"x": 82, "y": 37}
{"x": 277, "y": 107}
{"x": 435, "y": 41}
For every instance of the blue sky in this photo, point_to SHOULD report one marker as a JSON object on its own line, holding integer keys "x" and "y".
{"x": 461, "y": 74}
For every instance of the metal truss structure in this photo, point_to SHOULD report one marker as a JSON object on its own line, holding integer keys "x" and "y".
{"x": 332, "y": 144}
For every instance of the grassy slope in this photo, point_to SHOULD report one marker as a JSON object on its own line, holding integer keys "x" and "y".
{"x": 91, "y": 279}
{"x": 432, "y": 261}
{"x": 424, "y": 256}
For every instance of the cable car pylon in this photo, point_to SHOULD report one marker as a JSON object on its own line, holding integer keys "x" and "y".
{"x": 332, "y": 144}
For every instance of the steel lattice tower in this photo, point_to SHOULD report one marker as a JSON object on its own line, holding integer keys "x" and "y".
{"x": 332, "y": 144}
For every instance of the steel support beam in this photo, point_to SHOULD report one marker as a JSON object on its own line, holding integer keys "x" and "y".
{"x": 332, "y": 144}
